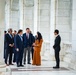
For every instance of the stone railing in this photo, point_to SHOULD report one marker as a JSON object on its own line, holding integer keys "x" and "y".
{"x": 67, "y": 48}
{"x": 70, "y": 55}
{"x": 45, "y": 47}
{"x": 45, "y": 50}
{"x": 73, "y": 60}
{"x": 64, "y": 53}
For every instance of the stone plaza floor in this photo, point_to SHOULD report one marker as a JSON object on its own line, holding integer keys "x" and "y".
{"x": 44, "y": 69}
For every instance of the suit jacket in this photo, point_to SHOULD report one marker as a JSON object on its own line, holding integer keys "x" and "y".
{"x": 19, "y": 43}
{"x": 9, "y": 40}
{"x": 57, "y": 43}
{"x": 25, "y": 40}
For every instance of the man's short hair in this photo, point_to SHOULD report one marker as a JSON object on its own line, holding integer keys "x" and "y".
{"x": 15, "y": 31}
{"x": 19, "y": 31}
{"x": 5, "y": 31}
{"x": 27, "y": 28}
{"x": 56, "y": 31}
{"x": 10, "y": 29}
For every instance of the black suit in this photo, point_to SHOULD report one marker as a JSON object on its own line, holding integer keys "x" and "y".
{"x": 57, "y": 49}
{"x": 9, "y": 50}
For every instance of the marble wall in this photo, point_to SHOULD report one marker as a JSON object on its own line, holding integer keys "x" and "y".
{"x": 28, "y": 13}
{"x": 63, "y": 19}
{"x": 12, "y": 14}
{"x": 44, "y": 18}
{"x": 7, "y": 14}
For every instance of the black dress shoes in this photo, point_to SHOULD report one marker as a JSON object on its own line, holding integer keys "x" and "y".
{"x": 29, "y": 63}
{"x": 11, "y": 64}
{"x": 21, "y": 65}
{"x": 56, "y": 67}
{"x": 24, "y": 63}
{"x": 18, "y": 65}
{"x": 7, "y": 64}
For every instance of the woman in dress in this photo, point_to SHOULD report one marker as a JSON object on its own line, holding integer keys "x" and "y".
{"x": 37, "y": 49}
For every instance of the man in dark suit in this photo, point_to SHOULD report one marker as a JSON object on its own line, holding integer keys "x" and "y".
{"x": 28, "y": 41}
{"x": 19, "y": 48}
{"x": 10, "y": 44}
{"x": 57, "y": 48}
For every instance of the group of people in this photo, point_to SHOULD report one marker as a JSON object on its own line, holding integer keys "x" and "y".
{"x": 19, "y": 46}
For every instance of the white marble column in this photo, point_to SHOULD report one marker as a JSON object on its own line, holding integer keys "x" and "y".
{"x": 2, "y": 23}
{"x": 21, "y": 14}
{"x": 74, "y": 34}
{"x": 35, "y": 15}
{"x": 7, "y": 14}
{"x": 74, "y": 25}
{"x": 52, "y": 27}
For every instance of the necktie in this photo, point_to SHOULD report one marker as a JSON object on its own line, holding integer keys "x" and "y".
{"x": 10, "y": 35}
{"x": 21, "y": 38}
{"x": 27, "y": 35}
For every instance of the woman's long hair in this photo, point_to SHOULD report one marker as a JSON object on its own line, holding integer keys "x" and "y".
{"x": 39, "y": 36}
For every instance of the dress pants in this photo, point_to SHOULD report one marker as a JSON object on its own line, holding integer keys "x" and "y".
{"x": 19, "y": 57}
{"x": 57, "y": 58}
{"x": 27, "y": 51}
{"x": 4, "y": 53}
{"x": 14, "y": 57}
{"x": 8, "y": 54}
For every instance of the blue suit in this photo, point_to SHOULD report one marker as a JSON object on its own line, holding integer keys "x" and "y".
{"x": 19, "y": 45}
{"x": 25, "y": 40}
{"x": 27, "y": 46}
